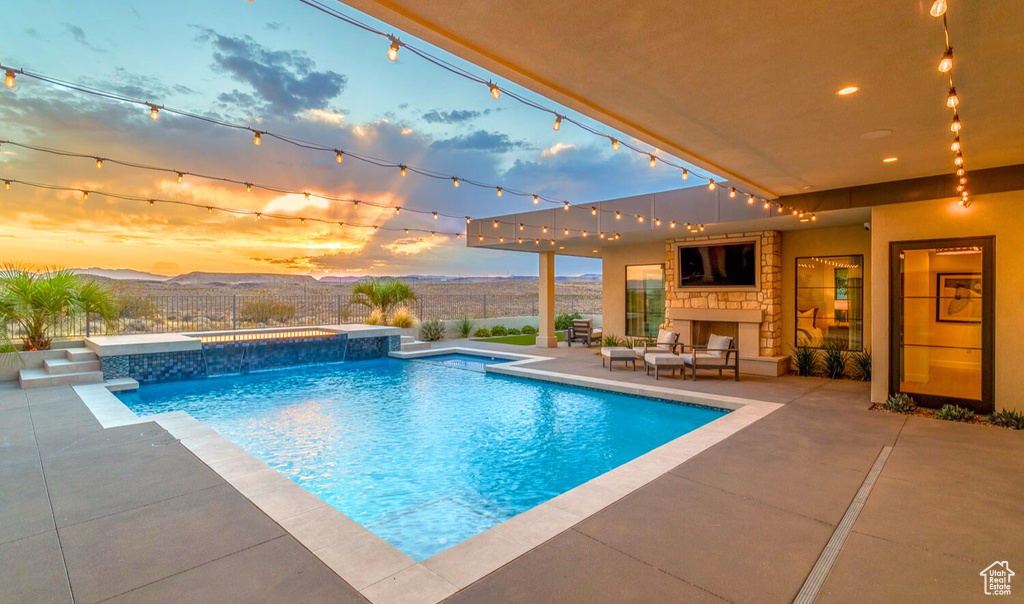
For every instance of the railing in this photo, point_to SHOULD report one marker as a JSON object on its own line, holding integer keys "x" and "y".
{"x": 162, "y": 314}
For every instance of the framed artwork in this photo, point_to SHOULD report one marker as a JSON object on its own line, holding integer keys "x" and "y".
{"x": 958, "y": 298}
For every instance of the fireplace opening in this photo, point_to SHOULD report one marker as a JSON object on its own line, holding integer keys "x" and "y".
{"x": 700, "y": 331}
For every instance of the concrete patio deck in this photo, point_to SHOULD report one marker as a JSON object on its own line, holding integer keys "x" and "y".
{"x": 128, "y": 514}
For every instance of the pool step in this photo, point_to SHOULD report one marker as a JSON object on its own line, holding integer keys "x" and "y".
{"x": 79, "y": 366}
{"x": 39, "y": 378}
{"x": 415, "y": 345}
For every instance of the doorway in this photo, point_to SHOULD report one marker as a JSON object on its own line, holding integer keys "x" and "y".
{"x": 942, "y": 322}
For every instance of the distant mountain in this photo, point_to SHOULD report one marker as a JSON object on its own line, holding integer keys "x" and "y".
{"x": 119, "y": 274}
{"x": 451, "y": 279}
{"x": 200, "y": 278}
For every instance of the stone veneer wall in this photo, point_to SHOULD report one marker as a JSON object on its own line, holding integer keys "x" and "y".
{"x": 237, "y": 357}
{"x": 768, "y": 299}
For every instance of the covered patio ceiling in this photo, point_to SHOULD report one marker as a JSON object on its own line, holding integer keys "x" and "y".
{"x": 747, "y": 89}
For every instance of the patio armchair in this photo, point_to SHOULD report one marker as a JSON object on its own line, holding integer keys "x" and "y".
{"x": 667, "y": 342}
{"x": 720, "y": 353}
{"x": 581, "y": 330}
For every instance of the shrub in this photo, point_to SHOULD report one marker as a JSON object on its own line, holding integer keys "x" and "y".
{"x": 432, "y": 330}
{"x": 376, "y": 318}
{"x": 862, "y": 365}
{"x": 499, "y": 330}
{"x": 955, "y": 413}
{"x": 514, "y": 331}
{"x": 806, "y": 360}
{"x": 381, "y": 295}
{"x": 464, "y": 326}
{"x": 610, "y": 340}
{"x": 529, "y": 330}
{"x": 134, "y": 305}
{"x": 265, "y": 309}
{"x": 564, "y": 320}
{"x": 900, "y": 403}
{"x": 1008, "y": 418}
{"x": 483, "y": 332}
{"x": 833, "y": 359}
{"x": 402, "y": 318}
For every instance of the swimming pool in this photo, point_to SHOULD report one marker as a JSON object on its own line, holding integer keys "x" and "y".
{"x": 424, "y": 455}
{"x": 458, "y": 360}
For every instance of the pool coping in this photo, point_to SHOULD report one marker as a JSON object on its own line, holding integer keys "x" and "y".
{"x": 375, "y": 568}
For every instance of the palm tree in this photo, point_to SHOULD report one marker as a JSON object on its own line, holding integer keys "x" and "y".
{"x": 382, "y": 295}
{"x": 36, "y": 301}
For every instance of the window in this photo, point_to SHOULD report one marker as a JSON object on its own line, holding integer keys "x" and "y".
{"x": 830, "y": 301}
{"x": 645, "y": 299}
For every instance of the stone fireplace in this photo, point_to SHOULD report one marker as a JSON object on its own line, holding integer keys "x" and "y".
{"x": 751, "y": 315}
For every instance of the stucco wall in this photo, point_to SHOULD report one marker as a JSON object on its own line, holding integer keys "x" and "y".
{"x": 1001, "y": 215}
{"x": 837, "y": 241}
{"x": 613, "y": 292}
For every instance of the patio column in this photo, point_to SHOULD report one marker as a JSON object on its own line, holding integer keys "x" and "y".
{"x": 546, "y": 308}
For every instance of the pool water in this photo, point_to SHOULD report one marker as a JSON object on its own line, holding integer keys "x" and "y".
{"x": 424, "y": 455}
{"x": 460, "y": 360}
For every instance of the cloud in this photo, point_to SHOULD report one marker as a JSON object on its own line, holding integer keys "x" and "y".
{"x": 480, "y": 140}
{"x": 79, "y": 36}
{"x": 284, "y": 81}
{"x": 557, "y": 148}
{"x": 324, "y": 116}
{"x": 456, "y": 116}
{"x": 414, "y": 245}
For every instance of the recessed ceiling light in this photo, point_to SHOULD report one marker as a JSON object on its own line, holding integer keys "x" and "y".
{"x": 561, "y": 247}
{"x": 876, "y": 134}
{"x": 890, "y": 160}
{"x": 805, "y": 187}
{"x": 847, "y": 90}
{"x": 594, "y": 251}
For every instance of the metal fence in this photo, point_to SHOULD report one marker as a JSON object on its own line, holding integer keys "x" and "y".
{"x": 162, "y": 314}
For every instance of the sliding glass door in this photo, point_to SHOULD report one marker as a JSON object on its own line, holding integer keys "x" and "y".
{"x": 943, "y": 298}
{"x": 645, "y": 299}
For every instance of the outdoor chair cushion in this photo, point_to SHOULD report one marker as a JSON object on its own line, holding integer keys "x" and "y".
{"x": 617, "y": 352}
{"x": 666, "y": 337}
{"x": 717, "y": 345}
{"x": 702, "y": 358}
{"x": 661, "y": 359}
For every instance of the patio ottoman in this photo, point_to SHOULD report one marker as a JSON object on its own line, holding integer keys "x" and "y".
{"x": 617, "y": 353}
{"x": 660, "y": 360}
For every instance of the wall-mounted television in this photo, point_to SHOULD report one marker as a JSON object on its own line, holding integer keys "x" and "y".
{"x": 718, "y": 265}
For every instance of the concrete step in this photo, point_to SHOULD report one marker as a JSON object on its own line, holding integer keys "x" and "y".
{"x": 408, "y": 339}
{"x": 80, "y": 354}
{"x": 39, "y": 378}
{"x": 415, "y": 345}
{"x": 59, "y": 366}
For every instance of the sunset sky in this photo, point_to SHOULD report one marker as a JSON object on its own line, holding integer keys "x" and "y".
{"x": 283, "y": 67}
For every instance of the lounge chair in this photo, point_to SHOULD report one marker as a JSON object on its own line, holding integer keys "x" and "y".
{"x": 666, "y": 343}
{"x": 719, "y": 353}
{"x": 581, "y": 330}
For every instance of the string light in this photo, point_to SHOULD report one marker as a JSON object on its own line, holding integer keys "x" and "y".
{"x": 10, "y": 79}
{"x": 455, "y": 181}
{"x": 536, "y": 200}
{"x": 615, "y": 145}
{"x": 499, "y": 191}
{"x": 956, "y": 144}
{"x": 593, "y": 210}
{"x": 154, "y": 113}
{"x": 584, "y": 233}
{"x": 750, "y": 200}
{"x": 946, "y": 62}
{"x": 181, "y": 177}
{"x": 248, "y": 187}
{"x": 672, "y": 224}
{"x": 339, "y": 156}
{"x": 99, "y": 163}
{"x": 257, "y": 138}
{"x": 952, "y": 100}
{"x": 558, "y": 123}
{"x": 495, "y": 92}
{"x": 657, "y": 222}
{"x": 639, "y": 219}
{"x": 732, "y": 193}
{"x": 521, "y": 226}
{"x": 686, "y": 174}
{"x": 654, "y": 161}
{"x": 956, "y": 126}
{"x": 496, "y": 224}
{"x": 209, "y": 210}
{"x": 711, "y": 185}
{"x": 938, "y": 8}
{"x": 7, "y": 184}
{"x": 544, "y": 229}
{"x": 565, "y": 206}
{"x": 468, "y": 220}
{"x": 618, "y": 215}
{"x": 85, "y": 195}
{"x": 393, "y": 49}
{"x": 565, "y": 231}
{"x": 398, "y": 210}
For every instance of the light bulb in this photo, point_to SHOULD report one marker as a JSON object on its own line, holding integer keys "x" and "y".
{"x": 401, "y": 170}
{"x": 593, "y": 211}
{"x": 468, "y": 220}
{"x": 480, "y": 238}
{"x": 702, "y": 228}
{"x": 584, "y": 233}
{"x": 781, "y": 208}
{"x": 302, "y": 220}
{"x": 85, "y": 195}
{"x": 615, "y": 145}
{"x": 686, "y": 174}
{"x": 657, "y": 222}
{"x": 521, "y": 226}
{"x": 495, "y": 92}
{"x": 960, "y": 172}
{"x": 248, "y": 188}
{"x": 958, "y": 160}
{"x": 435, "y": 215}
{"x": 7, "y": 184}
{"x": 355, "y": 204}
{"x": 956, "y": 125}
{"x": 499, "y": 191}
{"x": 618, "y": 215}
{"x": 711, "y": 185}
{"x": 601, "y": 234}
{"x": 552, "y": 242}
{"x": 558, "y": 123}
{"x": 750, "y": 200}
{"x": 956, "y": 144}
{"x": 732, "y": 193}
{"x": 814, "y": 217}
{"x": 565, "y": 231}
{"x": 952, "y": 100}
{"x": 495, "y": 224}
{"x": 938, "y": 8}
{"x": 565, "y": 206}
{"x": 519, "y": 240}
{"x": 946, "y": 62}
{"x": 963, "y": 180}
{"x": 544, "y": 229}
{"x": 654, "y": 161}
{"x": 99, "y": 163}
{"x": 536, "y": 242}
{"x": 154, "y": 113}
{"x": 536, "y": 200}
{"x": 181, "y": 177}
{"x": 639, "y": 219}
{"x": 209, "y": 210}
{"x": 458, "y": 235}
{"x": 959, "y": 188}
{"x": 256, "y": 138}
{"x": 501, "y": 239}
{"x": 258, "y": 215}
{"x": 767, "y": 204}
{"x": 339, "y": 156}
{"x": 455, "y": 182}
{"x": 398, "y": 210}
{"x": 9, "y": 79}
{"x": 672, "y": 224}
{"x": 393, "y": 50}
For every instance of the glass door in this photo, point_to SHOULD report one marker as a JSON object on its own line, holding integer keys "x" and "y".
{"x": 942, "y": 322}
{"x": 645, "y": 299}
